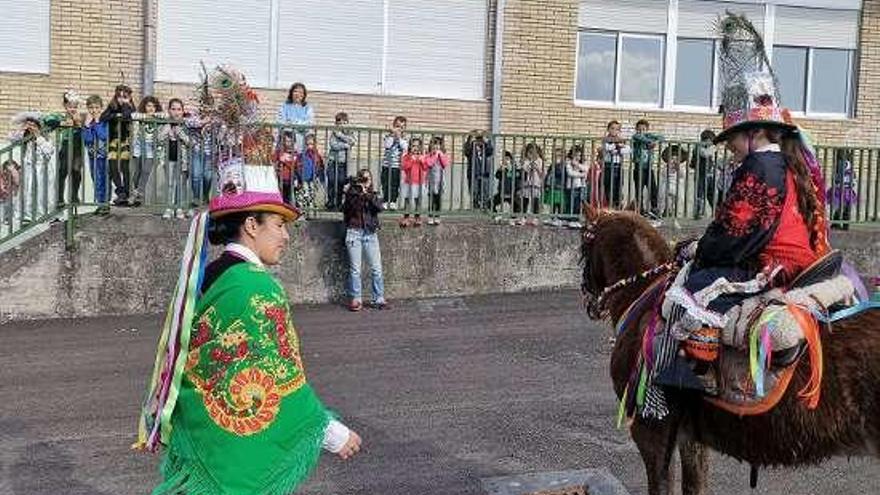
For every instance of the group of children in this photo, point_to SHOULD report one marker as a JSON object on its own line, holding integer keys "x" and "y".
{"x": 121, "y": 145}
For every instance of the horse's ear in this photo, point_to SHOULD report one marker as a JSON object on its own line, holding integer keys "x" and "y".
{"x": 631, "y": 206}
{"x": 591, "y": 214}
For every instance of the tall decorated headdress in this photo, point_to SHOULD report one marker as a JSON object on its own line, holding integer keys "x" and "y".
{"x": 749, "y": 90}
{"x": 750, "y": 98}
{"x": 247, "y": 182}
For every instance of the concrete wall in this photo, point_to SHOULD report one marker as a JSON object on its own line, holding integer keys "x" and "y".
{"x": 129, "y": 263}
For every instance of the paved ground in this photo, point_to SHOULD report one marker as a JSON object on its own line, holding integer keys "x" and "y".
{"x": 445, "y": 393}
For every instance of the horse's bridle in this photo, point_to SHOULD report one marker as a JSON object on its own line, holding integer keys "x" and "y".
{"x": 596, "y": 304}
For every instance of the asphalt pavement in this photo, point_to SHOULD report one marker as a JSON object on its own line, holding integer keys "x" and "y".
{"x": 445, "y": 392}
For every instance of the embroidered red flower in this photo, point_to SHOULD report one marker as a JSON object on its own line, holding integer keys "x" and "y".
{"x": 751, "y": 204}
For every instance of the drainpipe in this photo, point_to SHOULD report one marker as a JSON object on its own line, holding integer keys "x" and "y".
{"x": 149, "y": 60}
{"x": 497, "y": 71}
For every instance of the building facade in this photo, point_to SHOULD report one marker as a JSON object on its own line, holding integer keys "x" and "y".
{"x": 515, "y": 66}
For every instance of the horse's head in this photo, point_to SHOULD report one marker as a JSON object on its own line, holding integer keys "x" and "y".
{"x": 616, "y": 245}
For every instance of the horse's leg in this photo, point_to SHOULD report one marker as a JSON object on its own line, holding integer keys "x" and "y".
{"x": 656, "y": 442}
{"x": 694, "y": 467}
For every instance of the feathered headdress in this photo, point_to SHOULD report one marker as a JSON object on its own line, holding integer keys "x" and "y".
{"x": 749, "y": 90}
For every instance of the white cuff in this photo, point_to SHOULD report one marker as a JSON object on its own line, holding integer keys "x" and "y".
{"x": 335, "y": 436}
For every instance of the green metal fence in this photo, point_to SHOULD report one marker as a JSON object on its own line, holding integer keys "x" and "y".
{"x": 168, "y": 167}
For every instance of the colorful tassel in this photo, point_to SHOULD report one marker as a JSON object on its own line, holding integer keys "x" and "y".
{"x": 154, "y": 426}
{"x": 811, "y": 392}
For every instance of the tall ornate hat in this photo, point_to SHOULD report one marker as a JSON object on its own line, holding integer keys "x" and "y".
{"x": 749, "y": 91}
{"x": 247, "y": 181}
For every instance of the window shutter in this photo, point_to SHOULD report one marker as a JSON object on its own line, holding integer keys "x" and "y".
{"x": 24, "y": 36}
{"x": 437, "y": 49}
{"x": 822, "y": 28}
{"x": 331, "y": 46}
{"x": 697, "y": 18}
{"x": 213, "y": 31}
{"x": 631, "y": 16}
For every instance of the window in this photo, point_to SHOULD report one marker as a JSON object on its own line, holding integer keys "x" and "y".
{"x": 622, "y": 52}
{"x": 620, "y": 68}
{"x": 24, "y": 36}
{"x": 358, "y": 46}
{"x": 814, "y": 80}
{"x": 597, "y": 60}
{"x": 694, "y": 72}
{"x": 790, "y": 66}
{"x": 830, "y": 81}
{"x": 641, "y": 69}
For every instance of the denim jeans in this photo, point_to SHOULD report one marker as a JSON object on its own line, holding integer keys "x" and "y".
{"x": 200, "y": 177}
{"x": 359, "y": 242}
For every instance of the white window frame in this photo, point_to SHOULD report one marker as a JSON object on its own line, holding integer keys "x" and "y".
{"x": 616, "y": 102}
{"x": 808, "y": 83}
{"x": 669, "y": 65}
{"x": 713, "y": 97}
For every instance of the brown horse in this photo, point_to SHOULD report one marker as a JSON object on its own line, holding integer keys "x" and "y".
{"x": 618, "y": 245}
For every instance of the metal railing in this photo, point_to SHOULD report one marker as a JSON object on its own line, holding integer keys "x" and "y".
{"x": 168, "y": 167}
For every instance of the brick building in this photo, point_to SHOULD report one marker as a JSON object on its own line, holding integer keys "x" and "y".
{"x": 558, "y": 66}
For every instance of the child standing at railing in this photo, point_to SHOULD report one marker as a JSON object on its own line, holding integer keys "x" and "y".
{"x": 615, "y": 148}
{"x": 843, "y": 190}
{"x": 309, "y": 168}
{"x": 70, "y": 149}
{"x": 117, "y": 115}
{"x": 670, "y": 178}
{"x": 510, "y": 181}
{"x": 395, "y": 145}
{"x": 176, "y": 140}
{"x": 533, "y": 168}
{"x": 414, "y": 169}
{"x": 341, "y": 142}
{"x": 437, "y": 161}
{"x": 643, "y": 145}
{"x": 285, "y": 159}
{"x": 95, "y": 135}
{"x": 200, "y": 165}
{"x": 144, "y": 145}
{"x": 36, "y": 167}
{"x": 577, "y": 179}
{"x": 554, "y": 187}
{"x": 703, "y": 162}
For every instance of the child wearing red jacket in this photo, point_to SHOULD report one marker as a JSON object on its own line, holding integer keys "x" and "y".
{"x": 284, "y": 158}
{"x": 437, "y": 161}
{"x": 414, "y": 168}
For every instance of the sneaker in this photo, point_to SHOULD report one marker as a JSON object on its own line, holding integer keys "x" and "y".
{"x": 676, "y": 224}
{"x": 519, "y": 222}
{"x": 392, "y": 205}
{"x": 437, "y": 221}
{"x": 575, "y": 225}
{"x": 380, "y": 305}
{"x": 385, "y": 206}
{"x": 656, "y": 223}
{"x": 430, "y": 220}
{"x": 355, "y": 306}
{"x": 167, "y": 214}
{"x": 497, "y": 219}
{"x": 179, "y": 214}
{"x": 556, "y": 222}
{"x": 120, "y": 202}
{"x": 548, "y": 221}
{"x": 135, "y": 200}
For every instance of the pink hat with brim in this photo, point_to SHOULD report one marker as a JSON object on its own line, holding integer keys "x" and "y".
{"x": 250, "y": 188}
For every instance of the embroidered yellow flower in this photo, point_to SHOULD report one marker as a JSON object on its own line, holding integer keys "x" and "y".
{"x": 232, "y": 339}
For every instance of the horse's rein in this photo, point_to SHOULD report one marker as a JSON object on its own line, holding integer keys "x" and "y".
{"x": 620, "y": 284}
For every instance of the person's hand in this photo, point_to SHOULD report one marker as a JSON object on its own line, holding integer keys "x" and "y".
{"x": 352, "y": 446}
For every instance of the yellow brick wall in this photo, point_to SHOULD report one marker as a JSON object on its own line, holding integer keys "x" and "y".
{"x": 91, "y": 42}
{"x": 538, "y": 77}
{"x": 90, "y": 62}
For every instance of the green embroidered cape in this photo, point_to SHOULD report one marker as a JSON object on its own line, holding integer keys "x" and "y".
{"x": 246, "y": 421}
